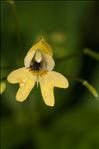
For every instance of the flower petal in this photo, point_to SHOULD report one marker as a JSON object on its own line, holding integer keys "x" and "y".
{"x": 28, "y": 58}
{"x": 18, "y": 75}
{"x": 25, "y": 89}
{"x": 47, "y": 90}
{"x": 58, "y": 79}
{"x": 43, "y": 46}
{"x": 26, "y": 80}
{"x": 47, "y": 83}
{"x": 49, "y": 61}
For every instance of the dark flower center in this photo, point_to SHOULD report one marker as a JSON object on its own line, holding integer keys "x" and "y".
{"x": 36, "y": 66}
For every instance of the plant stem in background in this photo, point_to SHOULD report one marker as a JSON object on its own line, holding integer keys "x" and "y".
{"x": 13, "y": 6}
{"x": 85, "y": 83}
{"x": 91, "y": 53}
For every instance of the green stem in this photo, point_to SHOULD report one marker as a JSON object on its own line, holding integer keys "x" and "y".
{"x": 85, "y": 83}
{"x": 91, "y": 53}
{"x": 12, "y": 3}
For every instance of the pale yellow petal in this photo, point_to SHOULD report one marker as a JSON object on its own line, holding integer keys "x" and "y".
{"x": 26, "y": 87}
{"x": 58, "y": 79}
{"x": 47, "y": 90}
{"x": 28, "y": 58}
{"x": 39, "y": 47}
{"x": 49, "y": 62}
{"x": 18, "y": 75}
{"x": 38, "y": 56}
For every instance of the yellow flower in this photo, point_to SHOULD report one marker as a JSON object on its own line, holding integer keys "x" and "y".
{"x": 38, "y": 68}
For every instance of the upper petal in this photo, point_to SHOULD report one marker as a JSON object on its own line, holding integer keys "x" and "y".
{"x": 58, "y": 79}
{"x": 43, "y": 46}
{"x": 18, "y": 75}
{"x": 47, "y": 90}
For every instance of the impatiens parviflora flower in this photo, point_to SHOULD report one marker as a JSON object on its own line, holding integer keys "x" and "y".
{"x": 38, "y": 63}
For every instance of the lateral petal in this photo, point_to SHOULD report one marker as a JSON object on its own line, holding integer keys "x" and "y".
{"x": 17, "y": 75}
{"x": 58, "y": 79}
{"x": 25, "y": 89}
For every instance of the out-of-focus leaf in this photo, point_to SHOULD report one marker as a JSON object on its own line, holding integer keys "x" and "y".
{"x": 11, "y": 133}
{"x": 77, "y": 128}
{"x": 11, "y": 2}
{"x": 91, "y": 53}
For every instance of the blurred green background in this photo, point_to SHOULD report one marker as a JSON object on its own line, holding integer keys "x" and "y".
{"x": 73, "y": 123}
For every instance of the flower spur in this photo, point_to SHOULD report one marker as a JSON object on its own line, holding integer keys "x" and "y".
{"x": 38, "y": 63}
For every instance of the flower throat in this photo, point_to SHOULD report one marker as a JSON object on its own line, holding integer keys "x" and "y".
{"x": 36, "y": 66}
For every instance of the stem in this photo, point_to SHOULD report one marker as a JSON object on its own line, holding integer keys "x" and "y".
{"x": 12, "y": 3}
{"x": 85, "y": 83}
{"x": 91, "y": 53}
